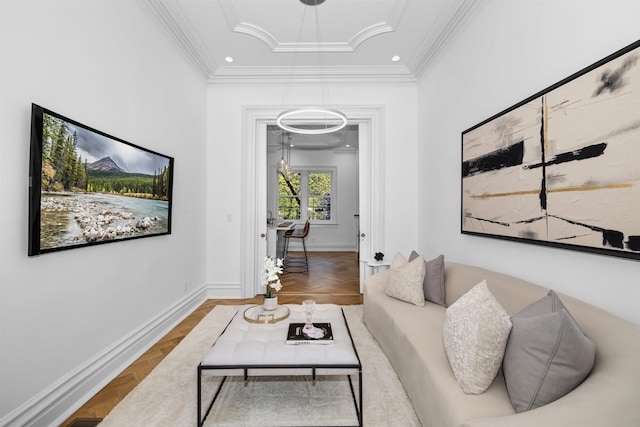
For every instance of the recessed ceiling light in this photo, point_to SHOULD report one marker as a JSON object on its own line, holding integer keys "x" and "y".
{"x": 395, "y": 58}
{"x": 228, "y": 59}
{"x": 347, "y": 146}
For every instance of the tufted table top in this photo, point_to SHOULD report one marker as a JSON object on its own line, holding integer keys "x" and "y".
{"x": 261, "y": 349}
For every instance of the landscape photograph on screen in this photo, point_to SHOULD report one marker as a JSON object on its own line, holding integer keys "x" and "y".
{"x": 92, "y": 187}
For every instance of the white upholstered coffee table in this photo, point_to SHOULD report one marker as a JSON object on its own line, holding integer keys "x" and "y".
{"x": 258, "y": 349}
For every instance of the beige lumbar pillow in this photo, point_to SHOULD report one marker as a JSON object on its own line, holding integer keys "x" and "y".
{"x": 476, "y": 330}
{"x": 405, "y": 280}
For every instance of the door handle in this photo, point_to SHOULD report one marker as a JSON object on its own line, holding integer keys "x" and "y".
{"x": 263, "y": 235}
{"x": 363, "y": 235}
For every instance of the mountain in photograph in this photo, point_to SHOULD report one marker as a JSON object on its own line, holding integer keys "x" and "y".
{"x": 106, "y": 164}
{"x": 105, "y": 176}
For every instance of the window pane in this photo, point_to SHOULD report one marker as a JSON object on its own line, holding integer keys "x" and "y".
{"x": 320, "y": 195}
{"x": 289, "y": 197}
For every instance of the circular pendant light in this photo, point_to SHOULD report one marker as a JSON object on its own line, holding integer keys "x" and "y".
{"x": 332, "y": 121}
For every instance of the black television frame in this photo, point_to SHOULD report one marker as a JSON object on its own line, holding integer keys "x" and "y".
{"x": 114, "y": 214}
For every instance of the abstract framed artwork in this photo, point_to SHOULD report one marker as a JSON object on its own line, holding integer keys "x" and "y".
{"x": 87, "y": 187}
{"x": 562, "y": 168}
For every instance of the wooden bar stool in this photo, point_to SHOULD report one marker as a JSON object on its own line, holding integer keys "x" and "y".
{"x": 296, "y": 264}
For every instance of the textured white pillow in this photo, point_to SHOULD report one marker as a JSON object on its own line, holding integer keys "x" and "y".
{"x": 476, "y": 330}
{"x": 405, "y": 280}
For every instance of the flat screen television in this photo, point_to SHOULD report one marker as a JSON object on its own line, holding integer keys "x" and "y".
{"x": 88, "y": 188}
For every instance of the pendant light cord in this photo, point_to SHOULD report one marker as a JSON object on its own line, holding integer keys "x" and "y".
{"x": 289, "y": 82}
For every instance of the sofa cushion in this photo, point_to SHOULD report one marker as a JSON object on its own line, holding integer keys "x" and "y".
{"x": 405, "y": 280}
{"x": 434, "y": 289}
{"x": 476, "y": 329}
{"x": 547, "y": 354}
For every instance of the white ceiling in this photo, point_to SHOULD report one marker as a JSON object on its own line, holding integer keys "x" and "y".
{"x": 277, "y": 41}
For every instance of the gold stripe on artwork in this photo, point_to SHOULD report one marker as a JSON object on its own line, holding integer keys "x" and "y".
{"x": 557, "y": 190}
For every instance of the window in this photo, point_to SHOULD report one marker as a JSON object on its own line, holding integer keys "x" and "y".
{"x": 307, "y": 195}
{"x": 289, "y": 197}
{"x": 319, "y": 196}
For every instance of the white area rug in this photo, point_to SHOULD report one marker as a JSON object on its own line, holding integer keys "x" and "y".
{"x": 167, "y": 397}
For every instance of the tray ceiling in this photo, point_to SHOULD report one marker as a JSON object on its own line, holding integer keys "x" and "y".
{"x": 277, "y": 39}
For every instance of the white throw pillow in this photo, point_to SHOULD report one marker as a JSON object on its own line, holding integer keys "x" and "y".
{"x": 405, "y": 280}
{"x": 476, "y": 330}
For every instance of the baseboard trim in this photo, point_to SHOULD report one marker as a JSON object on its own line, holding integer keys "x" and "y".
{"x": 224, "y": 291}
{"x": 61, "y": 399}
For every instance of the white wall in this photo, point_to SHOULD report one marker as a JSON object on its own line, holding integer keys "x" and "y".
{"x": 507, "y": 53}
{"x": 105, "y": 64}
{"x": 340, "y": 236}
{"x": 226, "y": 103}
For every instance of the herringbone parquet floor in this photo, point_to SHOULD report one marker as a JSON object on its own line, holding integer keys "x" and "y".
{"x": 333, "y": 278}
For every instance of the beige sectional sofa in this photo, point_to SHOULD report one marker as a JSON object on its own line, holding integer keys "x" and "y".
{"x": 411, "y": 337}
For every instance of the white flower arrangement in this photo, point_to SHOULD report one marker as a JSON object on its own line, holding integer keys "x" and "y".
{"x": 270, "y": 279}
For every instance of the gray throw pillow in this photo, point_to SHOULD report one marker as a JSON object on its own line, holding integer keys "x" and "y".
{"x": 547, "y": 354}
{"x": 434, "y": 289}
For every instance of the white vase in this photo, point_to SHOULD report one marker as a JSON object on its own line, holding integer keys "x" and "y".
{"x": 270, "y": 303}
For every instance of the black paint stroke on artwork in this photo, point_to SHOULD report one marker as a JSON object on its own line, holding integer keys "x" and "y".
{"x": 506, "y": 224}
{"x": 572, "y": 237}
{"x": 543, "y": 182}
{"x": 612, "y": 238}
{"x": 614, "y": 81}
{"x": 588, "y": 152}
{"x": 633, "y": 244}
{"x": 495, "y": 160}
{"x": 530, "y": 220}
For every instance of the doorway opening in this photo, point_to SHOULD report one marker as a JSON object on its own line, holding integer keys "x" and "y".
{"x": 316, "y": 178}
{"x": 371, "y": 190}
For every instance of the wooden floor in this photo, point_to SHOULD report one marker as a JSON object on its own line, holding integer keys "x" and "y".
{"x": 333, "y": 278}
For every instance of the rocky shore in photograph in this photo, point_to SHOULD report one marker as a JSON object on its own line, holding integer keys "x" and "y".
{"x": 96, "y": 223}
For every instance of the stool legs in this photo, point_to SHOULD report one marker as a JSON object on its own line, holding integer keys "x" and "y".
{"x": 302, "y": 235}
{"x": 295, "y": 264}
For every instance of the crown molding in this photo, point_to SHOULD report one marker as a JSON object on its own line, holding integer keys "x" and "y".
{"x": 442, "y": 33}
{"x": 306, "y": 75}
{"x": 171, "y": 18}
